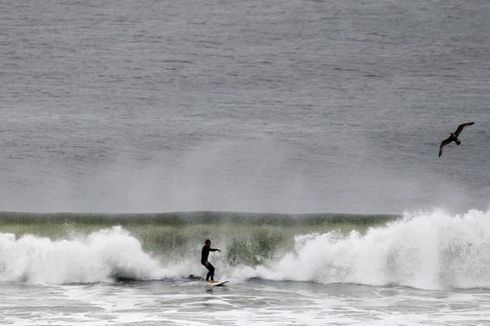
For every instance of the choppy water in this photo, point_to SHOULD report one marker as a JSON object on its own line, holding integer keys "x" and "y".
{"x": 255, "y": 302}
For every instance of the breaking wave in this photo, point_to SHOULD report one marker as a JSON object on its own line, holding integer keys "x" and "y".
{"x": 101, "y": 256}
{"x": 430, "y": 250}
{"x": 424, "y": 250}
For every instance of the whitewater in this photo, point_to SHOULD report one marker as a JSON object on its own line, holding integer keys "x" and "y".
{"x": 378, "y": 270}
{"x": 425, "y": 250}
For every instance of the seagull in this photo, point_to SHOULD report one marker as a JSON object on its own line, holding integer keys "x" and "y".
{"x": 454, "y": 136}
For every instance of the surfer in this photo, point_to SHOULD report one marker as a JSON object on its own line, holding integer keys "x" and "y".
{"x": 204, "y": 259}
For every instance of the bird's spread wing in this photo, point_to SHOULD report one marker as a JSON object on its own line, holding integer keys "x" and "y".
{"x": 461, "y": 127}
{"x": 444, "y": 143}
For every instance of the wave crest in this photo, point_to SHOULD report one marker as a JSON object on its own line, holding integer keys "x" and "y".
{"x": 423, "y": 250}
{"x": 101, "y": 256}
{"x": 430, "y": 250}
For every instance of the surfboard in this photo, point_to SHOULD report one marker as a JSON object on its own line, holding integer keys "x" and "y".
{"x": 217, "y": 283}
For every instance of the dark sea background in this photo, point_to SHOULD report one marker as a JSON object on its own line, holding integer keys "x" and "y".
{"x": 266, "y": 106}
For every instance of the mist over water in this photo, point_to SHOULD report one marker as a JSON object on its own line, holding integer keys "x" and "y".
{"x": 271, "y": 107}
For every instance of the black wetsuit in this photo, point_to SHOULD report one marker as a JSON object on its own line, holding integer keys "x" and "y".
{"x": 204, "y": 260}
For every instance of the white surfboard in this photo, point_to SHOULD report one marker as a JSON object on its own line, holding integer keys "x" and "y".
{"x": 217, "y": 283}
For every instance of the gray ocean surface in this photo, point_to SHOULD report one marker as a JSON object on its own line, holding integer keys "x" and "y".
{"x": 267, "y": 106}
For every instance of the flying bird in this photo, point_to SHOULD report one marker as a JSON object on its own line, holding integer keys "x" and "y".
{"x": 454, "y": 136}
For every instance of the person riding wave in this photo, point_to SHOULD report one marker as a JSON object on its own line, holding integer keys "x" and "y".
{"x": 204, "y": 259}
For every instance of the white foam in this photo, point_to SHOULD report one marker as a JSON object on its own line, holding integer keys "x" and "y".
{"x": 430, "y": 250}
{"x": 425, "y": 250}
{"x": 97, "y": 257}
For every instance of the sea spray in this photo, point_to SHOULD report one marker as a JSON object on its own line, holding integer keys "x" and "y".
{"x": 425, "y": 250}
{"x": 430, "y": 250}
{"x": 246, "y": 238}
{"x": 101, "y": 256}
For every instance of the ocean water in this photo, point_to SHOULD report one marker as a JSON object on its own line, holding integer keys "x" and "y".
{"x": 265, "y": 106}
{"x": 427, "y": 268}
{"x": 300, "y": 136}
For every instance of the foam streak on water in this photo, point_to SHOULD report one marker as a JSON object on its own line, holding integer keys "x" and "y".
{"x": 255, "y": 302}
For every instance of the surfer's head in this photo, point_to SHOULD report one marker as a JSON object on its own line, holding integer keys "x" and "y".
{"x": 207, "y": 242}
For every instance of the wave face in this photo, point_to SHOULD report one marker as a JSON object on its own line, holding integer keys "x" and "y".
{"x": 430, "y": 250}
